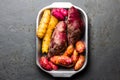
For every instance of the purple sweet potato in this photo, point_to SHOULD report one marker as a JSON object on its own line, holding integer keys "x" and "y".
{"x": 59, "y": 39}
{"x": 75, "y": 25}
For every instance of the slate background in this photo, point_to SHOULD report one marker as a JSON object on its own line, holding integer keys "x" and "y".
{"x": 17, "y": 40}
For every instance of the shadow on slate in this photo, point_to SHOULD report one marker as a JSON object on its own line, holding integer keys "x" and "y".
{"x": 44, "y": 73}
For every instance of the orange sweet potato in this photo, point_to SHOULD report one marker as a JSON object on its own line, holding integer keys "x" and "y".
{"x": 79, "y": 63}
{"x": 61, "y": 60}
{"x": 69, "y": 50}
{"x": 80, "y": 46}
{"x": 74, "y": 57}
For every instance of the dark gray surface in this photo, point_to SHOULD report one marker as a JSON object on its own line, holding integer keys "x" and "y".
{"x": 17, "y": 40}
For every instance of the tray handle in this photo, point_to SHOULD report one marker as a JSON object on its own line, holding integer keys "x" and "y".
{"x": 62, "y": 74}
{"x": 59, "y": 4}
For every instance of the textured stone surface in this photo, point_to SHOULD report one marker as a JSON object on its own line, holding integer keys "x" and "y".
{"x": 17, "y": 40}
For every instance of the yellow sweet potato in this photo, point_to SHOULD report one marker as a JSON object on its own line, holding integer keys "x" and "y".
{"x": 43, "y": 24}
{"x": 47, "y": 37}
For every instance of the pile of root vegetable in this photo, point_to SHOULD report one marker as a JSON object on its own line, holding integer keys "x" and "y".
{"x": 61, "y": 31}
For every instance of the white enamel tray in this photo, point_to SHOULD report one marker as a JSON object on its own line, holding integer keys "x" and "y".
{"x": 62, "y": 72}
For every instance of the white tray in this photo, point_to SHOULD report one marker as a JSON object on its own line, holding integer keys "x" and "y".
{"x": 62, "y": 72}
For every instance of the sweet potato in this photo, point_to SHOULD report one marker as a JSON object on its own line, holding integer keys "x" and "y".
{"x": 44, "y": 63}
{"x": 61, "y": 60}
{"x": 59, "y": 13}
{"x": 75, "y": 26}
{"x": 69, "y": 50}
{"x": 43, "y": 24}
{"x": 80, "y": 46}
{"x": 79, "y": 63}
{"x": 75, "y": 56}
{"x": 63, "y": 11}
{"x": 58, "y": 42}
{"x": 54, "y": 67}
{"x": 48, "y": 35}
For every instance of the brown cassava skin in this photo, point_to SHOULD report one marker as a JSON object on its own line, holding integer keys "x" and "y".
{"x": 58, "y": 42}
{"x": 75, "y": 25}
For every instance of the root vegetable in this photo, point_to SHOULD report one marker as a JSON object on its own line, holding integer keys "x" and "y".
{"x": 69, "y": 50}
{"x": 43, "y": 24}
{"x": 75, "y": 56}
{"x": 58, "y": 42}
{"x": 75, "y": 26}
{"x": 58, "y": 16}
{"x": 59, "y": 13}
{"x": 48, "y": 35}
{"x": 61, "y": 60}
{"x": 80, "y": 46}
{"x": 54, "y": 67}
{"x": 64, "y": 12}
{"x": 79, "y": 63}
{"x": 45, "y": 63}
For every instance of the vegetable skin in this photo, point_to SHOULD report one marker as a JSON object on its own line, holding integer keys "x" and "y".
{"x": 75, "y": 56}
{"x": 59, "y": 13}
{"x": 58, "y": 42}
{"x": 79, "y": 63}
{"x": 80, "y": 46}
{"x": 75, "y": 27}
{"x": 69, "y": 50}
{"x": 61, "y": 60}
{"x": 54, "y": 67}
{"x": 43, "y": 24}
{"x": 44, "y": 63}
{"x": 47, "y": 37}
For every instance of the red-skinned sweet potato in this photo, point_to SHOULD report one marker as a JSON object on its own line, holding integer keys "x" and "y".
{"x": 54, "y": 67}
{"x": 58, "y": 42}
{"x": 59, "y": 13}
{"x": 64, "y": 12}
{"x": 44, "y": 63}
{"x": 75, "y": 26}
